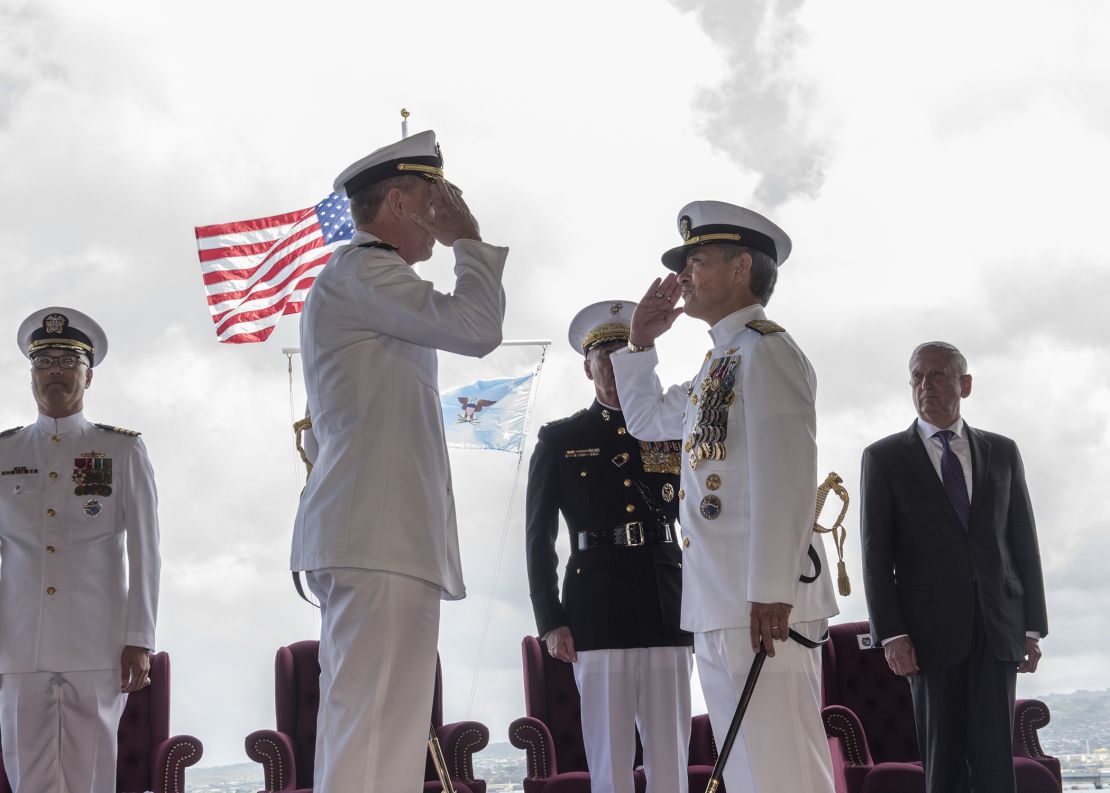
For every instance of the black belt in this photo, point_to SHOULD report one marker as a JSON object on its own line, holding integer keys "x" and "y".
{"x": 630, "y": 534}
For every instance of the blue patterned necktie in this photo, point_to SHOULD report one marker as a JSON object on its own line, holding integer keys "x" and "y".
{"x": 952, "y": 475}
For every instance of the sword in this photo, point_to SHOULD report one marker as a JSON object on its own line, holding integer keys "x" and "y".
{"x": 439, "y": 761}
{"x": 737, "y": 717}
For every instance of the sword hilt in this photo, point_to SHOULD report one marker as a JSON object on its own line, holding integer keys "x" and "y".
{"x": 835, "y": 483}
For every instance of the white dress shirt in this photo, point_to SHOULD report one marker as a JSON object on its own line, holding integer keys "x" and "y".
{"x": 79, "y": 571}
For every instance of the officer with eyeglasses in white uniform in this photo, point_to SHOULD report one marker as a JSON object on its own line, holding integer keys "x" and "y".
{"x": 79, "y": 569}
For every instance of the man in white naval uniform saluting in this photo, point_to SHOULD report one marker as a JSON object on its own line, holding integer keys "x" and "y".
{"x": 753, "y": 568}
{"x": 376, "y": 525}
{"x": 79, "y": 570}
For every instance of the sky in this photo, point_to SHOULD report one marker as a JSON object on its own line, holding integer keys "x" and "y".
{"x": 939, "y": 168}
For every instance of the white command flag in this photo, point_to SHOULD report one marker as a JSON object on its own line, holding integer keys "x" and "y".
{"x": 487, "y": 414}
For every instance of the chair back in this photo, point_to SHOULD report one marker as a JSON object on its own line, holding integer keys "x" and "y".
{"x": 551, "y": 695}
{"x": 856, "y": 675}
{"x": 297, "y": 701}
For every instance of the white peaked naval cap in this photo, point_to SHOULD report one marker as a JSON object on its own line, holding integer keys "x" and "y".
{"x": 714, "y": 222}
{"x": 63, "y": 328}
{"x": 416, "y": 155}
{"x": 601, "y": 323}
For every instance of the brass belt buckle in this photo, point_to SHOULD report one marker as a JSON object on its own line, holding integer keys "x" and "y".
{"x": 628, "y": 533}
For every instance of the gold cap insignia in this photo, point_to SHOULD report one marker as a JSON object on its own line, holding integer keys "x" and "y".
{"x": 616, "y": 308}
{"x": 54, "y": 323}
{"x": 684, "y": 227}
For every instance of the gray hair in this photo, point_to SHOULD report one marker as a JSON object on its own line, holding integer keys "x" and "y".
{"x": 956, "y": 360}
{"x": 764, "y": 272}
{"x": 366, "y": 202}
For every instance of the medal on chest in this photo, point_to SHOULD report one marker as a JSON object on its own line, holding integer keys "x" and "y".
{"x": 92, "y": 473}
{"x": 715, "y": 396}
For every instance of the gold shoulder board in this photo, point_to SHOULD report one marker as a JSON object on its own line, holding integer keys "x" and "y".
{"x": 120, "y": 430}
{"x": 765, "y": 326}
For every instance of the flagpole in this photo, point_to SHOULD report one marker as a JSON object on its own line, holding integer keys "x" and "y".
{"x": 404, "y": 123}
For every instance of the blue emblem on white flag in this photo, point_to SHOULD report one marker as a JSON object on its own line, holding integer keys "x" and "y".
{"x": 487, "y": 414}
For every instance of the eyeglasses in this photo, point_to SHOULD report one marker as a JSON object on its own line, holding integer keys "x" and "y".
{"x": 63, "y": 361}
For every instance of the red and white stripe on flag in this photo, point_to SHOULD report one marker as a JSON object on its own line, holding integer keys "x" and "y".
{"x": 256, "y": 271}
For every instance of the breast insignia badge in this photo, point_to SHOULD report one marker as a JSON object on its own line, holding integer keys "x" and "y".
{"x": 710, "y": 507}
{"x": 92, "y": 507}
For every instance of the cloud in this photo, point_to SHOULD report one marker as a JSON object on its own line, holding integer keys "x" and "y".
{"x": 758, "y": 113}
{"x": 24, "y": 60}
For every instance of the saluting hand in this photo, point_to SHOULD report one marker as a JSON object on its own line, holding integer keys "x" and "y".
{"x": 450, "y": 219}
{"x": 656, "y": 312}
{"x": 560, "y": 644}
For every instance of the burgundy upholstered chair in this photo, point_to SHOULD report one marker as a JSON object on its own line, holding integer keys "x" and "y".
{"x": 551, "y": 733}
{"x": 149, "y": 759}
{"x": 288, "y": 754}
{"x": 868, "y": 717}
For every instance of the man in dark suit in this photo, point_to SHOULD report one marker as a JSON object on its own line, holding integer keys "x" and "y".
{"x": 618, "y": 619}
{"x": 953, "y": 576}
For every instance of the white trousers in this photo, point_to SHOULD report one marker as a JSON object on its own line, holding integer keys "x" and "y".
{"x": 781, "y": 746}
{"x": 58, "y": 730}
{"x": 622, "y": 690}
{"x": 377, "y": 674}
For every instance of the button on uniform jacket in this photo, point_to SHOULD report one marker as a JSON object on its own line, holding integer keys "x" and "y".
{"x": 379, "y": 495}
{"x": 79, "y": 562}
{"x": 614, "y": 596}
{"x": 750, "y": 538}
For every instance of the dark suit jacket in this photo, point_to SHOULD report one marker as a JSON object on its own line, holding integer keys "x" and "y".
{"x": 589, "y": 468}
{"x": 925, "y": 575}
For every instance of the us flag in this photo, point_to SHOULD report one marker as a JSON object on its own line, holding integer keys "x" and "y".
{"x": 256, "y": 271}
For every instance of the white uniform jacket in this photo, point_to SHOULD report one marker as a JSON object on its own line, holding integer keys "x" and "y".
{"x": 79, "y": 562}
{"x": 747, "y": 516}
{"x": 379, "y": 496}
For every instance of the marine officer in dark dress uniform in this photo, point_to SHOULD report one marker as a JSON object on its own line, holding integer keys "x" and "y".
{"x": 618, "y": 619}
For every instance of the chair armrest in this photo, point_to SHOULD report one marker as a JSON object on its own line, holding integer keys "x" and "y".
{"x": 274, "y": 750}
{"x": 1029, "y": 716}
{"x": 841, "y": 723}
{"x": 171, "y": 757}
{"x": 460, "y": 740}
{"x": 535, "y": 739}
{"x": 703, "y": 749}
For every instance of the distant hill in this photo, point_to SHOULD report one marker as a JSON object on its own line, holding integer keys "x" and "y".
{"x": 1080, "y": 722}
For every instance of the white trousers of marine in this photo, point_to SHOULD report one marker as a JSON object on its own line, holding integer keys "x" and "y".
{"x": 378, "y": 638}
{"x": 58, "y": 730}
{"x": 781, "y": 745}
{"x": 621, "y": 690}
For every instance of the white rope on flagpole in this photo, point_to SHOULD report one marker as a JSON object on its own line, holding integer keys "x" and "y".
{"x": 508, "y": 518}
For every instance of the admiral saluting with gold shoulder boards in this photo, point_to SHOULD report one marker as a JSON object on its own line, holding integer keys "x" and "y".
{"x": 618, "y": 619}
{"x": 753, "y": 568}
{"x": 79, "y": 569}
